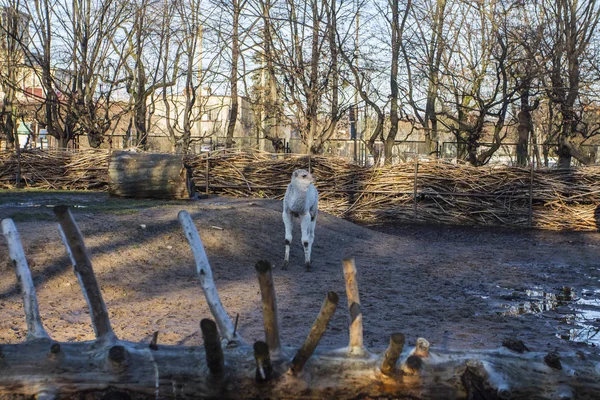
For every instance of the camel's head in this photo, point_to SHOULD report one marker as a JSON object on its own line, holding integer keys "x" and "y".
{"x": 302, "y": 178}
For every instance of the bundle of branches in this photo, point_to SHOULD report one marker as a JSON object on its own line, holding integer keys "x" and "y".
{"x": 54, "y": 169}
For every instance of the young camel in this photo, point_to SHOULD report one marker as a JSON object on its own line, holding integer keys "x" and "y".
{"x": 302, "y": 201}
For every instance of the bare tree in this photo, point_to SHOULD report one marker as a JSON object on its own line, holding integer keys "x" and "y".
{"x": 13, "y": 32}
{"x": 476, "y": 82}
{"x": 430, "y": 22}
{"x": 571, "y": 26}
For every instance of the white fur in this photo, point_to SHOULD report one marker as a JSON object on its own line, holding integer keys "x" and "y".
{"x": 301, "y": 200}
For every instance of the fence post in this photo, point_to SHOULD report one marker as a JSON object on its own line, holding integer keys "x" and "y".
{"x": 207, "y": 172}
{"x": 415, "y": 187}
{"x": 530, "y": 216}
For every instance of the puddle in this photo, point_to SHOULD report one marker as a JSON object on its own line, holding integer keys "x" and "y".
{"x": 577, "y": 317}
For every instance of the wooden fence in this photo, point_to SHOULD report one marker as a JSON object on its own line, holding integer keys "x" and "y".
{"x": 433, "y": 191}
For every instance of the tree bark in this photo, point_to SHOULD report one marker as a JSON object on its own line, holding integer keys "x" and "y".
{"x": 233, "y": 79}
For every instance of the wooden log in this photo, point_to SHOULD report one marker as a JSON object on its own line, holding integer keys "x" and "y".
{"x": 269, "y": 306}
{"x": 82, "y": 267}
{"x": 316, "y": 332}
{"x": 35, "y": 328}
{"x": 149, "y": 175}
{"x": 174, "y": 372}
{"x": 391, "y": 355}
{"x": 356, "y": 345}
{"x": 226, "y": 327}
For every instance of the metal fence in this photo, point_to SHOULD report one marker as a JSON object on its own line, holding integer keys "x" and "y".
{"x": 356, "y": 150}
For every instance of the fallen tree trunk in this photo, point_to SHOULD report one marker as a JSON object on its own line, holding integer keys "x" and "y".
{"x": 149, "y": 175}
{"x": 109, "y": 368}
{"x": 174, "y": 371}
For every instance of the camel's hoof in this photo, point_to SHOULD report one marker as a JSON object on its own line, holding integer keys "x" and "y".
{"x": 308, "y": 266}
{"x": 285, "y": 265}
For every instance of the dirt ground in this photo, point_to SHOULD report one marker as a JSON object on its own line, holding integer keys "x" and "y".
{"x": 458, "y": 287}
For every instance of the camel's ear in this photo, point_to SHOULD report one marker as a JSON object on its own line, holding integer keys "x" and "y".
{"x": 295, "y": 174}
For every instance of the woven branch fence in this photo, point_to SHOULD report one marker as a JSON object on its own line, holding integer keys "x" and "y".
{"x": 433, "y": 191}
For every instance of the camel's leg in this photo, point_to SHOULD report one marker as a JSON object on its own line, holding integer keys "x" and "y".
{"x": 307, "y": 238}
{"x": 289, "y": 224}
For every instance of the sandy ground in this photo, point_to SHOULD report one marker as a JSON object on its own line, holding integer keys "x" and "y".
{"x": 458, "y": 287}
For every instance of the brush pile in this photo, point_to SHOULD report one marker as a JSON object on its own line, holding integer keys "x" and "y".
{"x": 430, "y": 191}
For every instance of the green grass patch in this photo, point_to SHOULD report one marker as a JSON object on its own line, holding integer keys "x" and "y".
{"x": 79, "y": 201}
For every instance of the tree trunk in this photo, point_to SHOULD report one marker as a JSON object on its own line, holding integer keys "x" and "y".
{"x": 233, "y": 79}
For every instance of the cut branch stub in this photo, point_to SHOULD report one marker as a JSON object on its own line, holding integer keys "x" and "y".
{"x": 212, "y": 346}
{"x": 422, "y": 348}
{"x": 316, "y": 332}
{"x": 154, "y": 342}
{"x": 390, "y": 358}
{"x": 35, "y": 329}
{"x": 118, "y": 358}
{"x": 269, "y": 306}
{"x": 206, "y": 278}
{"x": 413, "y": 365}
{"x": 264, "y": 368}
{"x": 85, "y": 273}
{"x": 356, "y": 345}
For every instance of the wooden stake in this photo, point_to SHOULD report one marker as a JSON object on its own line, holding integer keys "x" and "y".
{"x": 264, "y": 368}
{"x": 415, "y": 187}
{"x": 82, "y": 266}
{"x": 35, "y": 329}
{"x": 316, "y": 332}
{"x": 212, "y": 346}
{"x": 207, "y": 177}
{"x": 390, "y": 358}
{"x": 269, "y": 306}
{"x": 356, "y": 326}
{"x": 207, "y": 283}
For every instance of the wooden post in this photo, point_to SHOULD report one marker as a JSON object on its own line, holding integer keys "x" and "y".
{"x": 530, "y": 215}
{"x": 269, "y": 306}
{"x": 316, "y": 332}
{"x": 264, "y": 368}
{"x": 82, "y": 266}
{"x": 212, "y": 346}
{"x": 415, "y": 187}
{"x": 35, "y": 329}
{"x": 390, "y": 358}
{"x": 356, "y": 345}
{"x": 206, "y": 278}
{"x": 207, "y": 173}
